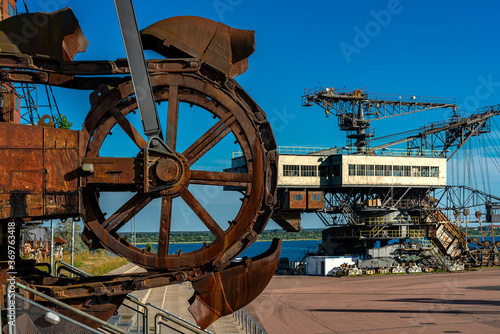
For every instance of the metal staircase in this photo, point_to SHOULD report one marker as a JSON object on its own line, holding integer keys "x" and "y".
{"x": 448, "y": 237}
{"x": 349, "y": 214}
{"x": 435, "y": 253}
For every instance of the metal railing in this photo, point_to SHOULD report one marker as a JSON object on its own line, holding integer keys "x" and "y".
{"x": 396, "y": 152}
{"x": 331, "y": 91}
{"x": 247, "y": 323}
{"x": 352, "y": 150}
{"x": 29, "y": 309}
{"x": 396, "y": 234}
{"x": 61, "y": 265}
{"x": 175, "y": 319}
{"x": 241, "y": 316}
{"x": 386, "y": 220}
{"x": 294, "y": 150}
{"x": 72, "y": 309}
{"x": 410, "y": 98}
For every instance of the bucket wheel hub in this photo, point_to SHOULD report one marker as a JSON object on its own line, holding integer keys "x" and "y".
{"x": 167, "y": 173}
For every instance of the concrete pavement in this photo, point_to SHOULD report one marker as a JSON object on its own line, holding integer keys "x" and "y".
{"x": 174, "y": 299}
{"x": 464, "y": 302}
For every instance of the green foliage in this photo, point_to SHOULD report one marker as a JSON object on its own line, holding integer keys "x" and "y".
{"x": 475, "y": 232}
{"x": 63, "y": 230}
{"x": 97, "y": 262}
{"x": 61, "y": 122}
{"x": 150, "y": 248}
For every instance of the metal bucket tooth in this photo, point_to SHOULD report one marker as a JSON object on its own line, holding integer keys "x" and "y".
{"x": 228, "y": 290}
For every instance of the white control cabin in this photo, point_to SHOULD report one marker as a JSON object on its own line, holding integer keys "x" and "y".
{"x": 315, "y": 170}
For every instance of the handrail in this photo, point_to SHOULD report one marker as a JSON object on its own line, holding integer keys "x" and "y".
{"x": 392, "y": 234}
{"x": 70, "y": 268}
{"x": 247, "y": 322}
{"x": 178, "y": 320}
{"x": 145, "y": 314}
{"x": 33, "y": 303}
{"x": 352, "y": 150}
{"x": 71, "y": 308}
{"x": 130, "y": 297}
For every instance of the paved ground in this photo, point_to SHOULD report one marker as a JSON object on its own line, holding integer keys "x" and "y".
{"x": 466, "y": 302}
{"x": 174, "y": 299}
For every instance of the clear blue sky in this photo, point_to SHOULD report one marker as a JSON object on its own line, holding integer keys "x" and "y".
{"x": 430, "y": 48}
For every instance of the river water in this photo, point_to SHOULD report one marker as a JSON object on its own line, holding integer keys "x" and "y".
{"x": 292, "y": 249}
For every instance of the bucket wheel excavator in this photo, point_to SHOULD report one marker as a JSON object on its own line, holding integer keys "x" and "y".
{"x": 56, "y": 173}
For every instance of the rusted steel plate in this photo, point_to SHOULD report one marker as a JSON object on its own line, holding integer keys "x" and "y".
{"x": 315, "y": 200}
{"x": 224, "y": 48}
{"x": 228, "y": 290}
{"x": 297, "y": 200}
{"x": 39, "y": 172}
{"x": 113, "y": 174}
{"x": 57, "y": 34}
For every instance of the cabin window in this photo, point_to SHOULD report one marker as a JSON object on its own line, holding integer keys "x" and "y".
{"x": 434, "y": 171}
{"x": 387, "y": 170}
{"x": 309, "y": 170}
{"x": 290, "y": 170}
{"x": 424, "y": 171}
{"x": 370, "y": 170}
{"x": 316, "y": 197}
{"x": 336, "y": 170}
{"x": 397, "y": 170}
{"x": 352, "y": 170}
{"x": 324, "y": 171}
{"x": 407, "y": 171}
{"x": 360, "y": 170}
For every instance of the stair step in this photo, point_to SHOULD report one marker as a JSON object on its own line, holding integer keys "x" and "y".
{"x": 115, "y": 319}
{"x": 125, "y": 324}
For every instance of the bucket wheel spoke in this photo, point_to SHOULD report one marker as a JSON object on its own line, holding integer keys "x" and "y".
{"x": 165, "y": 225}
{"x": 129, "y": 129}
{"x": 172, "y": 117}
{"x": 200, "y": 211}
{"x": 126, "y": 212}
{"x": 209, "y": 139}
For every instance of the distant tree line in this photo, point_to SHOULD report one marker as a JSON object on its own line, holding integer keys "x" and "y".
{"x": 476, "y": 231}
{"x": 152, "y": 237}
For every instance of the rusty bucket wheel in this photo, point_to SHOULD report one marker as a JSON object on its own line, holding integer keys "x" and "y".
{"x": 236, "y": 114}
